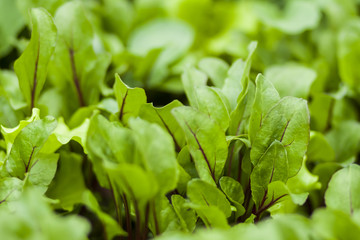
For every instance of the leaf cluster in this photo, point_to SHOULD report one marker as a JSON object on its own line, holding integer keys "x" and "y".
{"x": 179, "y": 119}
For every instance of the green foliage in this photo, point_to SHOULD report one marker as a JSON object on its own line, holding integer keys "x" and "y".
{"x": 184, "y": 119}
{"x": 36, "y": 56}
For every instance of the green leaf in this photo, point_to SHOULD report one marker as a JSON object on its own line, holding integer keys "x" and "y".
{"x": 320, "y": 109}
{"x": 157, "y": 151}
{"x": 212, "y": 103}
{"x": 108, "y": 142}
{"x": 294, "y": 193}
{"x": 272, "y": 166}
{"x": 27, "y": 144}
{"x": 8, "y": 116}
{"x": 334, "y": 224}
{"x": 163, "y": 117}
{"x": 319, "y": 148}
{"x": 68, "y": 185}
{"x": 191, "y": 80}
{"x": 11, "y": 133}
{"x": 304, "y": 181}
{"x": 9, "y": 88}
{"x": 291, "y": 79}
{"x": 237, "y": 75}
{"x": 118, "y": 13}
{"x": 204, "y": 194}
{"x": 325, "y": 171}
{"x": 31, "y": 67}
{"x": 112, "y": 228}
{"x": 186, "y": 162}
{"x": 32, "y": 218}
{"x": 266, "y": 97}
{"x": 240, "y": 138}
{"x": 185, "y": 214}
{"x": 75, "y": 68}
{"x": 343, "y": 189}
{"x": 288, "y": 123}
{"x": 206, "y": 140}
{"x": 344, "y": 139}
{"x": 343, "y": 110}
{"x": 133, "y": 181}
{"x": 62, "y": 135}
{"x": 347, "y": 54}
{"x": 234, "y": 192}
{"x": 172, "y": 36}
{"x": 295, "y": 18}
{"x": 9, "y": 13}
{"x": 184, "y": 178}
{"x": 177, "y": 38}
{"x": 240, "y": 116}
{"x": 280, "y": 200}
{"x": 167, "y": 219}
{"x": 212, "y": 216}
{"x": 216, "y": 69}
{"x": 10, "y": 189}
{"x": 49, "y": 5}
{"x": 129, "y": 99}
{"x": 43, "y": 171}
{"x": 289, "y": 226}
